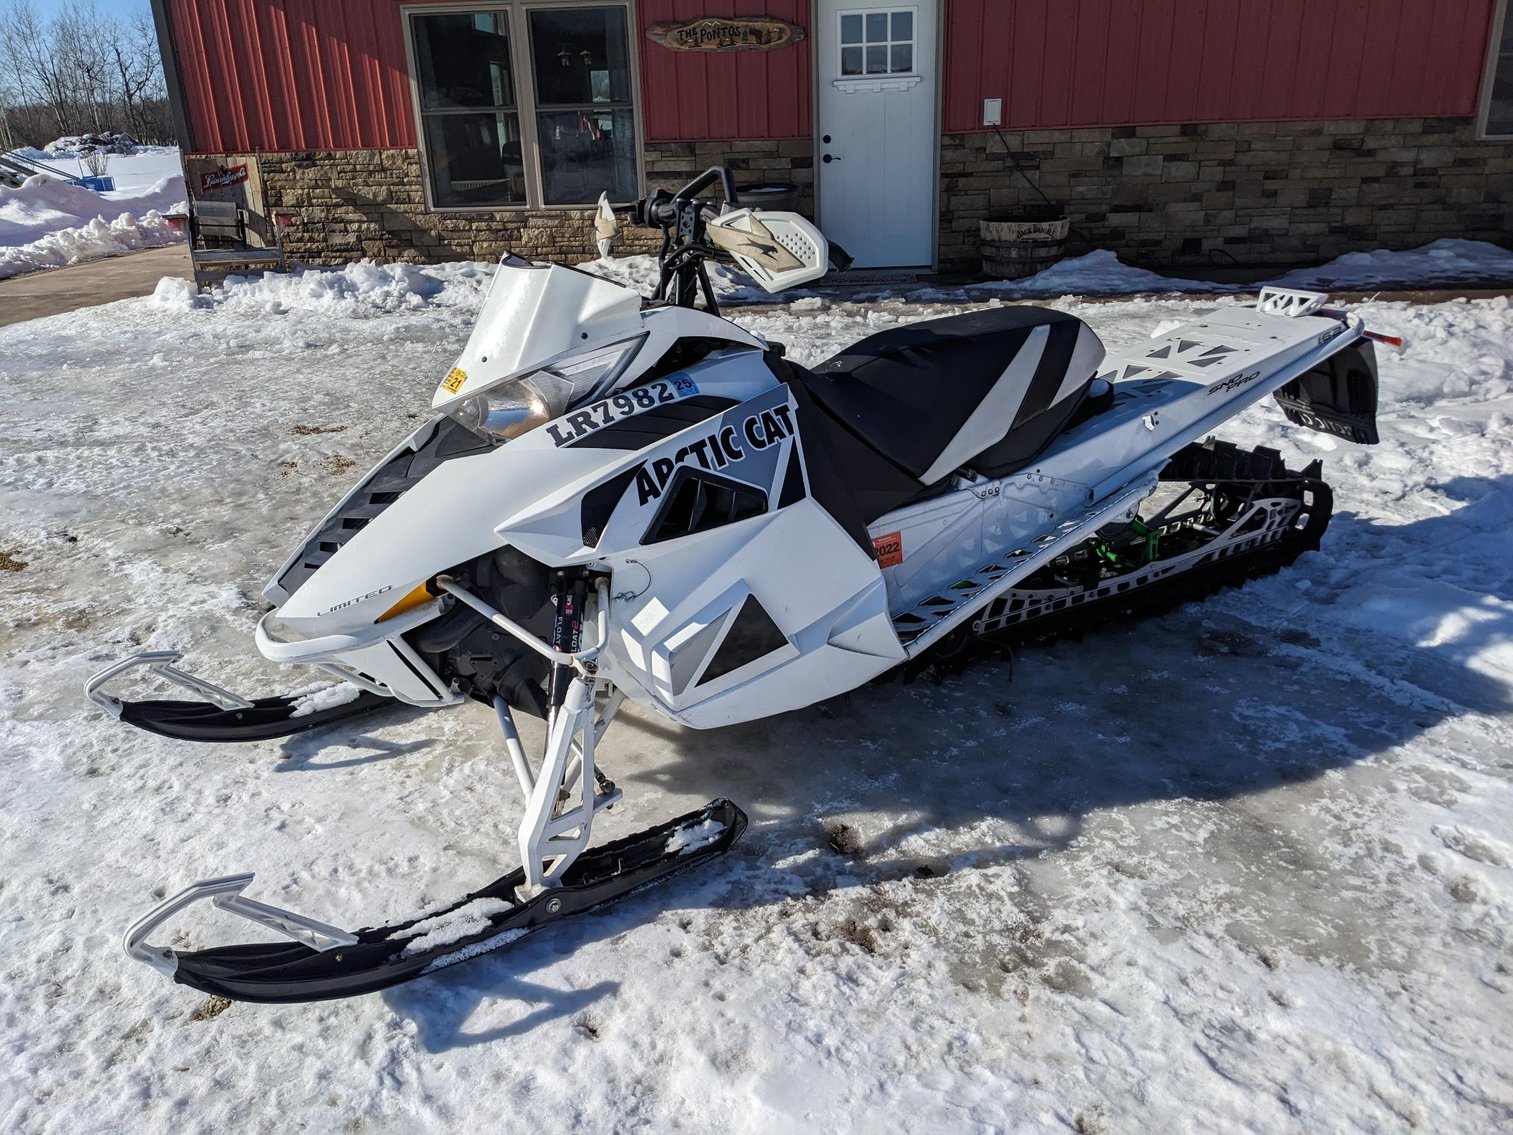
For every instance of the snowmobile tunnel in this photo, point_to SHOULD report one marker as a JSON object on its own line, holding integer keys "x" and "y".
{"x": 987, "y": 390}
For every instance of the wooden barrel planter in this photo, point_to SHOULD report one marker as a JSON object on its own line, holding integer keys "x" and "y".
{"x": 1014, "y": 249}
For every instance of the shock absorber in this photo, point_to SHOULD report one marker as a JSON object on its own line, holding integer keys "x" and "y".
{"x": 569, "y": 594}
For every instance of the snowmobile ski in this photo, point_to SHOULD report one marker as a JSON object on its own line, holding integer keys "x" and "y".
{"x": 324, "y": 962}
{"x": 221, "y": 715}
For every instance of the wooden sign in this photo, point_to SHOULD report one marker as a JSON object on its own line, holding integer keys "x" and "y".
{"x": 755, "y": 33}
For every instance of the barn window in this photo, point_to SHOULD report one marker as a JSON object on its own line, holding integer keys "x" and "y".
{"x": 1497, "y": 88}
{"x": 525, "y": 105}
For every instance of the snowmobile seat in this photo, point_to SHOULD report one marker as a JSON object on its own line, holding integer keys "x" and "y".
{"x": 987, "y": 390}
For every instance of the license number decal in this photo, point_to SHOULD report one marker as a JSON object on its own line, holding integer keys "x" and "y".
{"x": 626, "y": 404}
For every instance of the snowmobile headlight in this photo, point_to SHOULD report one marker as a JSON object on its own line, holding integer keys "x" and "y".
{"x": 506, "y": 411}
{"x": 515, "y": 405}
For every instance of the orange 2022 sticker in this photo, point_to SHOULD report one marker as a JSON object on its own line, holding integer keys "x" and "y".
{"x": 890, "y": 549}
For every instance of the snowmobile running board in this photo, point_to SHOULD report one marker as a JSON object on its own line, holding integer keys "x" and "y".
{"x": 930, "y": 621}
{"x": 325, "y": 962}
{"x": 222, "y": 715}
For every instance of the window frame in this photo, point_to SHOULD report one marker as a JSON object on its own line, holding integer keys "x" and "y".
{"x": 517, "y": 20}
{"x": 1489, "y": 76}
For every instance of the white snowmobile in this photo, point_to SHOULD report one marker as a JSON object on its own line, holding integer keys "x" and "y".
{"x": 621, "y": 498}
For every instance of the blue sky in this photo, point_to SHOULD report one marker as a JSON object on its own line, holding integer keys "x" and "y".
{"x": 123, "y": 8}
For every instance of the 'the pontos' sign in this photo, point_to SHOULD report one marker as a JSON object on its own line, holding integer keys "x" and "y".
{"x": 717, "y": 34}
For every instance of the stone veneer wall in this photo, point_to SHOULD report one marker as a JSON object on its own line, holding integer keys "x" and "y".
{"x": 350, "y": 204}
{"x": 1264, "y": 192}
{"x": 787, "y": 162}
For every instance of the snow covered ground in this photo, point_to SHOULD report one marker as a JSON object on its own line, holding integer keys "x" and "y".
{"x": 45, "y": 223}
{"x": 1245, "y": 868}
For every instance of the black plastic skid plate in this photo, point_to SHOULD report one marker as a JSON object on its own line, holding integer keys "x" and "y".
{"x": 288, "y": 971}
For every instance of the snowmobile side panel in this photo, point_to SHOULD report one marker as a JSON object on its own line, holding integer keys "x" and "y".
{"x": 265, "y": 719}
{"x": 481, "y": 922}
{"x": 1338, "y": 396}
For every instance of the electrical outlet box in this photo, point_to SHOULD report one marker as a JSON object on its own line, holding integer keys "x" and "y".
{"x": 992, "y": 112}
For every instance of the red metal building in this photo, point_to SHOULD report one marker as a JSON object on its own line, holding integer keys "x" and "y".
{"x": 1273, "y": 130}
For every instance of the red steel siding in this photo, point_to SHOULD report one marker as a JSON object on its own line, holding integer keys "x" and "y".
{"x": 1061, "y": 63}
{"x": 700, "y": 96}
{"x": 279, "y": 75}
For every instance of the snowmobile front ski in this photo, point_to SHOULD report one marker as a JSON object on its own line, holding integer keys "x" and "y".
{"x": 324, "y": 962}
{"x": 221, "y": 715}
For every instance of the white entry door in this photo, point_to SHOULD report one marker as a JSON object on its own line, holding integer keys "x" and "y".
{"x": 876, "y": 169}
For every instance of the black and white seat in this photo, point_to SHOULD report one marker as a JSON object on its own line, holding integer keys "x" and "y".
{"x": 987, "y": 390}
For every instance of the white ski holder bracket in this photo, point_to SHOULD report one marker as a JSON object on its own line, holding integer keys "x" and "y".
{"x": 226, "y": 893}
{"x": 1289, "y": 302}
{"x": 161, "y": 664}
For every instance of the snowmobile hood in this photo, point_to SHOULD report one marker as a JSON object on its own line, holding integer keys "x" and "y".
{"x": 439, "y": 523}
{"x": 532, "y": 314}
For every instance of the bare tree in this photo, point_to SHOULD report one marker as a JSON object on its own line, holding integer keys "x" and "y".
{"x": 139, "y": 70}
{"x": 81, "y": 71}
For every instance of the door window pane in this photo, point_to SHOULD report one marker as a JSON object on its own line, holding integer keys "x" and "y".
{"x": 878, "y": 42}
{"x": 585, "y": 127}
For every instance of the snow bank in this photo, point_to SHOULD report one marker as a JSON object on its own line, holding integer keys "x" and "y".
{"x": 46, "y": 223}
{"x": 1099, "y": 273}
{"x": 97, "y": 239}
{"x": 1442, "y": 262}
{"x": 355, "y": 291}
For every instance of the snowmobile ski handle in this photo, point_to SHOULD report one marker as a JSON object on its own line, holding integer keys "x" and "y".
{"x": 226, "y": 893}
{"x": 161, "y": 663}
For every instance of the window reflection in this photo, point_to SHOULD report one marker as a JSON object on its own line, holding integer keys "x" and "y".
{"x": 585, "y": 128}
{"x": 476, "y": 139}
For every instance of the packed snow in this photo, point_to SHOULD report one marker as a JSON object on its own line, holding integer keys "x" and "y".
{"x": 1246, "y": 867}
{"x": 317, "y": 699}
{"x": 47, "y": 223}
{"x": 454, "y": 925}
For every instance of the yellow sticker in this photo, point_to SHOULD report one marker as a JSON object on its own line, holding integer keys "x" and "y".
{"x": 452, "y": 383}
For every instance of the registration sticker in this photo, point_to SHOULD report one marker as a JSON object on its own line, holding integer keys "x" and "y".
{"x": 889, "y": 548}
{"x": 452, "y": 383}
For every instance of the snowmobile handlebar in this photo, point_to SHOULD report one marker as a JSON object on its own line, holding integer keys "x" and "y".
{"x": 660, "y": 209}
